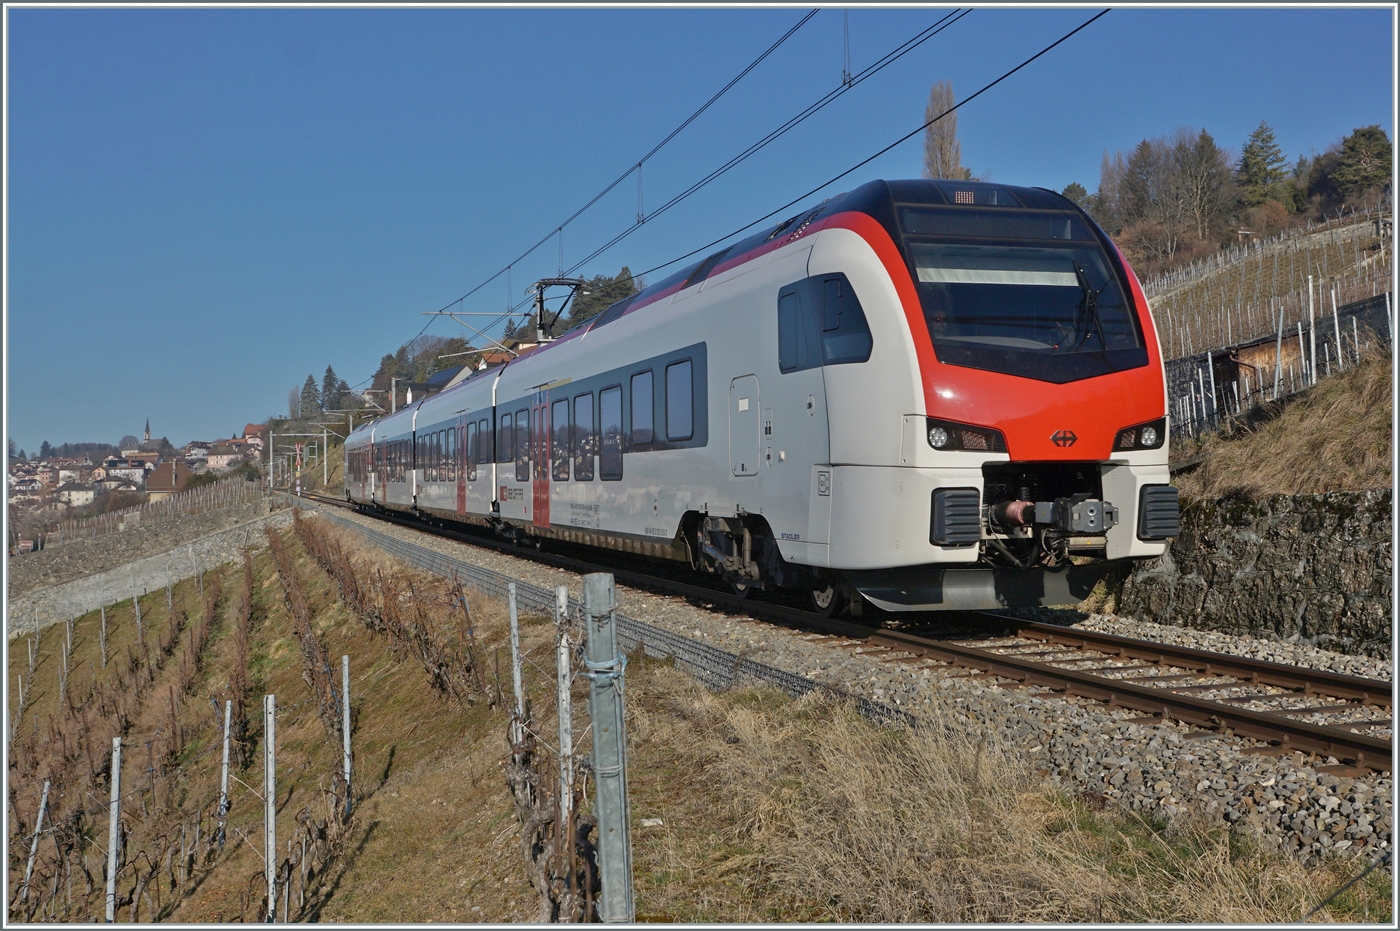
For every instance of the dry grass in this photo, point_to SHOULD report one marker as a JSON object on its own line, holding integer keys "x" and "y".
{"x": 777, "y": 810}
{"x": 1335, "y": 437}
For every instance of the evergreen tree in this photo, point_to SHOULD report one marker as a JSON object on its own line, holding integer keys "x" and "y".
{"x": 1261, "y": 168}
{"x": 22, "y": 455}
{"x": 1077, "y": 193}
{"x": 310, "y": 397}
{"x": 1364, "y": 162}
{"x": 330, "y": 390}
{"x": 11, "y": 447}
{"x": 45, "y": 450}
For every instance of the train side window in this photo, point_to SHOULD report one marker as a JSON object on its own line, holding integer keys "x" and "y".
{"x": 642, "y": 410}
{"x": 610, "y": 423}
{"x": 471, "y": 451}
{"x": 585, "y": 440}
{"x": 798, "y": 332}
{"x": 440, "y": 456}
{"x": 845, "y": 332}
{"x": 505, "y": 445}
{"x": 680, "y": 414}
{"x": 435, "y": 456}
{"x": 522, "y": 445}
{"x": 559, "y": 440}
{"x": 449, "y": 459}
{"x": 483, "y": 436}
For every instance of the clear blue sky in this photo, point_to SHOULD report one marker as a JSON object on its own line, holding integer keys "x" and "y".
{"x": 206, "y": 205}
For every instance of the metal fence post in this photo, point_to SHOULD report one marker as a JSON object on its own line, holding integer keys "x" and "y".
{"x": 113, "y": 829}
{"x": 345, "y": 725}
{"x": 605, "y": 665}
{"x": 270, "y": 803}
{"x": 34, "y": 846}
{"x": 223, "y": 778}
{"x": 517, "y": 724}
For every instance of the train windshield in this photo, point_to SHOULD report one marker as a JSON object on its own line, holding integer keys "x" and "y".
{"x": 1028, "y": 293}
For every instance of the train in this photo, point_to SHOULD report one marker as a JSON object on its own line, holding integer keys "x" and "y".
{"x": 920, "y": 395}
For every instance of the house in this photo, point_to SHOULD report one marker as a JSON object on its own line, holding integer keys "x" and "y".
{"x": 47, "y": 474}
{"x": 75, "y": 495}
{"x": 132, "y": 472}
{"x": 167, "y": 479}
{"x": 256, "y": 434}
{"x": 196, "y": 450}
{"x": 152, "y": 457}
{"x": 78, "y": 472}
{"x": 224, "y": 456}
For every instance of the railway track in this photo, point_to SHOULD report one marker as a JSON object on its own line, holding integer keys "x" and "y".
{"x": 1287, "y": 708}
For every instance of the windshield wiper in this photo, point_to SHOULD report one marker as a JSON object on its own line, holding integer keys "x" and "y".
{"x": 1088, "y": 309}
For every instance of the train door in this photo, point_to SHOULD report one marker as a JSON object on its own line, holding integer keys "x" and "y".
{"x": 539, "y": 459}
{"x": 796, "y": 435}
{"x": 744, "y": 438}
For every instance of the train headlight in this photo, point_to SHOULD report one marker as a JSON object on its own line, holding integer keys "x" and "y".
{"x": 1148, "y": 435}
{"x": 947, "y": 435}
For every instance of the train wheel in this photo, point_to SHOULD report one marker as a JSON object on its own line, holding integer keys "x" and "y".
{"x": 743, "y": 589}
{"x": 827, "y": 602}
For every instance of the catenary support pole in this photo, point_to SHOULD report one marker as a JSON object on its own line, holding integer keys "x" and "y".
{"x": 345, "y": 726}
{"x": 325, "y": 460}
{"x": 606, "y": 665}
{"x": 270, "y": 803}
{"x": 223, "y": 778}
{"x": 114, "y": 830}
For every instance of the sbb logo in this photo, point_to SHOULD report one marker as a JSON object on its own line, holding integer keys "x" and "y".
{"x": 1063, "y": 438}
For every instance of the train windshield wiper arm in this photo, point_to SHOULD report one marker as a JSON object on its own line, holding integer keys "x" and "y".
{"x": 1088, "y": 309}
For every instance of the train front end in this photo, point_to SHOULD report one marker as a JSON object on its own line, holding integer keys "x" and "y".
{"x": 1040, "y": 458}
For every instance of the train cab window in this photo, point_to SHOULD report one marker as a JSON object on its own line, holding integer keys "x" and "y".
{"x": 610, "y": 422}
{"x": 642, "y": 407}
{"x": 559, "y": 440}
{"x": 584, "y": 439}
{"x": 522, "y": 445}
{"x": 680, "y": 415}
{"x": 471, "y": 450}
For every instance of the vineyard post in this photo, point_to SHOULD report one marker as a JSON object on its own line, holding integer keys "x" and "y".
{"x": 270, "y": 803}
{"x": 1337, "y": 329}
{"x": 1355, "y": 341}
{"x": 195, "y": 563}
{"x": 345, "y": 725}
{"x": 1312, "y": 333}
{"x": 517, "y": 723}
{"x": 104, "y": 637}
{"x": 34, "y": 845}
{"x": 113, "y": 836}
{"x": 606, "y": 666}
{"x": 223, "y": 778}
{"x": 564, "y": 826}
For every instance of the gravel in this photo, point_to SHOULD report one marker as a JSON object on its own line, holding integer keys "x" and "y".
{"x": 1162, "y": 769}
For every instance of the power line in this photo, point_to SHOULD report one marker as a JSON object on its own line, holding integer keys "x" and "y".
{"x": 656, "y": 148}
{"x": 866, "y": 161}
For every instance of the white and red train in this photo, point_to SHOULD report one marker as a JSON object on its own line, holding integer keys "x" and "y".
{"x": 924, "y": 394}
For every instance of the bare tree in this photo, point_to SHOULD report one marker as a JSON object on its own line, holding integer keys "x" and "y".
{"x": 942, "y": 151}
{"x": 1203, "y": 176}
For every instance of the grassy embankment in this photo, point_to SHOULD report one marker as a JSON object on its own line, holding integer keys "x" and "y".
{"x": 771, "y": 809}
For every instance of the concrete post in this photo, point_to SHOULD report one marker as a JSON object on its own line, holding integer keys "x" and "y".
{"x": 605, "y": 665}
{"x": 566, "y": 733}
{"x": 270, "y": 803}
{"x": 113, "y": 829}
{"x": 223, "y": 778}
{"x": 345, "y": 726}
{"x": 516, "y": 734}
{"x": 34, "y": 845}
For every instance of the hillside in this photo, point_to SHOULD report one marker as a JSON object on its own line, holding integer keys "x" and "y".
{"x": 1335, "y": 436}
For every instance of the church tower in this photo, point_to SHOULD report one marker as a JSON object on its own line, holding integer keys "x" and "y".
{"x": 147, "y": 437}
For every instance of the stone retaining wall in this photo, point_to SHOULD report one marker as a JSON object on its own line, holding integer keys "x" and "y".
{"x": 55, "y": 603}
{"x": 1302, "y": 568}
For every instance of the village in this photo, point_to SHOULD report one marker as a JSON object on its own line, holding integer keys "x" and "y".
{"x": 43, "y": 490}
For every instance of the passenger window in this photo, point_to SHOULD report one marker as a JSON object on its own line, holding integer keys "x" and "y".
{"x": 680, "y": 420}
{"x": 505, "y": 447}
{"x": 472, "y": 451}
{"x": 451, "y": 457}
{"x": 610, "y": 422}
{"x": 559, "y": 440}
{"x": 642, "y": 432}
{"x": 522, "y": 445}
{"x": 483, "y": 436}
{"x": 585, "y": 441}
{"x": 789, "y": 332}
